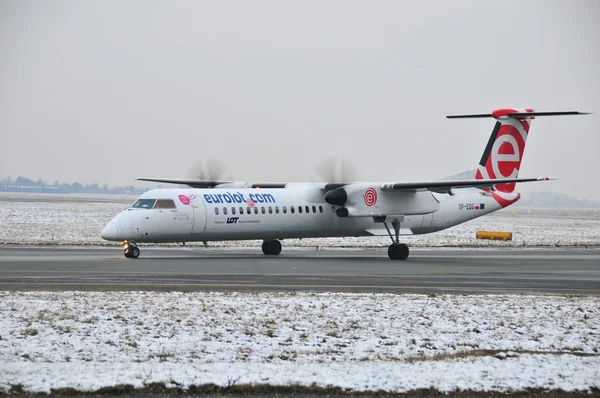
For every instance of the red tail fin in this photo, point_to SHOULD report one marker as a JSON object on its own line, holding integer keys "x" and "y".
{"x": 504, "y": 152}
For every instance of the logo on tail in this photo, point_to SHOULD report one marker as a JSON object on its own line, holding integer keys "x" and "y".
{"x": 504, "y": 152}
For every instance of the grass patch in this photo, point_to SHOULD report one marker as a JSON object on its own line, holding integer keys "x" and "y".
{"x": 162, "y": 356}
{"x": 63, "y": 329}
{"x": 29, "y": 332}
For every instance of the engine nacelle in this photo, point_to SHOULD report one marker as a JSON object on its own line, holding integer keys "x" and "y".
{"x": 366, "y": 200}
{"x": 337, "y": 197}
{"x": 342, "y": 212}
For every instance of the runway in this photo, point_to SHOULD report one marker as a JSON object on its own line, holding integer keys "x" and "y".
{"x": 466, "y": 271}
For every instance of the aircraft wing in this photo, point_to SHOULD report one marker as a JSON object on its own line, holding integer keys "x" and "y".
{"x": 184, "y": 181}
{"x": 441, "y": 186}
{"x": 445, "y": 186}
{"x": 212, "y": 184}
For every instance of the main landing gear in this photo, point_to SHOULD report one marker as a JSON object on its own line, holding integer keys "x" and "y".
{"x": 271, "y": 247}
{"x": 397, "y": 250}
{"x": 131, "y": 250}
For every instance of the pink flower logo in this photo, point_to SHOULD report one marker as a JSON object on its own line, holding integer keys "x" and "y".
{"x": 187, "y": 200}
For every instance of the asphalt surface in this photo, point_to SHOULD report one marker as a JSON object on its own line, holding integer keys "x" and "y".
{"x": 467, "y": 271}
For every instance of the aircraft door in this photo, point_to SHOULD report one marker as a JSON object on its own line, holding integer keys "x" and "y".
{"x": 199, "y": 215}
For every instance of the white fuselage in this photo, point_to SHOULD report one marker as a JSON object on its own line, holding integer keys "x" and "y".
{"x": 186, "y": 215}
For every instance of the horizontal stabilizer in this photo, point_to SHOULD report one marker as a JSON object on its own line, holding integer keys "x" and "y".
{"x": 517, "y": 114}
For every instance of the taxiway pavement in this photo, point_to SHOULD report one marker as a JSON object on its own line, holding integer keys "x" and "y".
{"x": 467, "y": 271}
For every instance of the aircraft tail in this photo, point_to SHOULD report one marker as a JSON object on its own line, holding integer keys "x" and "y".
{"x": 504, "y": 151}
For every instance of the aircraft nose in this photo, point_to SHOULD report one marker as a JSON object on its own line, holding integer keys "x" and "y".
{"x": 110, "y": 232}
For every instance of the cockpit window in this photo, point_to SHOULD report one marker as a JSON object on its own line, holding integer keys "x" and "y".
{"x": 164, "y": 204}
{"x": 144, "y": 204}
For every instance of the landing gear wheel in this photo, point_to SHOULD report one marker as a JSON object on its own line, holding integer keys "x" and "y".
{"x": 132, "y": 252}
{"x": 398, "y": 251}
{"x": 271, "y": 247}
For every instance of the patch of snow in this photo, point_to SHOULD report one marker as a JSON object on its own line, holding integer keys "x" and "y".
{"x": 89, "y": 340}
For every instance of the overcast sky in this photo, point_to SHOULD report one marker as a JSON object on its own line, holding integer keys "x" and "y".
{"x": 107, "y": 91}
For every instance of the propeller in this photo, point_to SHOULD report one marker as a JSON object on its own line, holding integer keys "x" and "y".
{"x": 209, "y": 169}
{"x": 336, "y": 171}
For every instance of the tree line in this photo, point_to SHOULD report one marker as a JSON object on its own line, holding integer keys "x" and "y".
{"x": 24, "y": 184}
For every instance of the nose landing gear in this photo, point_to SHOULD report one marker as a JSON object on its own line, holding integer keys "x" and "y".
{"x": 131, "y": 250}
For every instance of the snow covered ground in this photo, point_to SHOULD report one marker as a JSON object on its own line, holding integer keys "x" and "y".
{"x": 356, "y": 341}
{"x": 362, "y": 342}
{"x": 80, "y": 223}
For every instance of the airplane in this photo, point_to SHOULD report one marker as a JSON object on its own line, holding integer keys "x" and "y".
{"x": 228, "y": 210}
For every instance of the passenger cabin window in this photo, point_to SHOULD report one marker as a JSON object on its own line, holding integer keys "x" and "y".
{"x": 276, "y": 209}
{"x": 217, "y": 211}
{"x": 256, "y": 210}
{"x": 314, "y": 209}
{"x": 284, "y": 210}
{"x": 292, "y": 209}
{"x": 144, "y": 204}
{"x": 241, "y": 210}
{"x": 164, "y": 204}
{"x": 233, "y": 210}
{"x": 262, "y": 209}
{"x": 225, "y": 210}
{"x": 320, "y": 209}
{"x": 307, "y": 209}
{"x": 247, "y": 210}
{"x": 299, "y": 209}
{"x": 270, "y": 210}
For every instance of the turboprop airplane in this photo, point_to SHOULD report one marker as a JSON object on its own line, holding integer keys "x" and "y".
{"x": 225, "y": 210}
